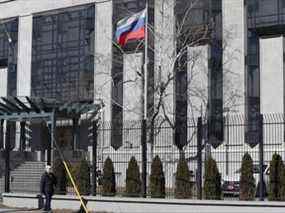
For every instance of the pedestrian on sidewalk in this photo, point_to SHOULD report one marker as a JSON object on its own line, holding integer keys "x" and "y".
{"x": 48, "y": 183}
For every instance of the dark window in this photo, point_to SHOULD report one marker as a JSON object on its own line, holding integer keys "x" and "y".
{"x": 8, "y": 52}
{"x": 62, "y": 56}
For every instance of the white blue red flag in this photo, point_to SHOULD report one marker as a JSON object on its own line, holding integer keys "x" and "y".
{"x": 131, "y": 28}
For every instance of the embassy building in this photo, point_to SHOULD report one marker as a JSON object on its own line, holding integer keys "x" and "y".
{"x": 209, "y": 57}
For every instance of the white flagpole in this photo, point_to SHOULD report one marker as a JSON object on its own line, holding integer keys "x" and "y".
{"x": 145, "y": 63}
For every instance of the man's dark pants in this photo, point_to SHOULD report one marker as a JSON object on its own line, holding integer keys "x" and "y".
{"x": 48, "y": 201}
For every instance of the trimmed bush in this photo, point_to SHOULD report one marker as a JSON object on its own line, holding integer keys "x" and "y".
{"x": 133, "y": 181}
{"x": 157, "y": 179}
{"x": 212, "y": 181}
{"x": 183, "y": 186}
{"x": 276, "y": 173}
{"x": 108, "y": 181}
{"x": 83, "y": 177}
{"x": 282, "y": 187}
{"x": 61, "y": 176}
{"x": 247, "y": 182}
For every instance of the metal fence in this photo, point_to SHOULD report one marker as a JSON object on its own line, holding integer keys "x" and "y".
{"x": 228, "y": 155}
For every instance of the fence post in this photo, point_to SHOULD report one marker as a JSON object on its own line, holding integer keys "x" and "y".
{"x": 261, "y": 178}
{"x": 94, "y": 158}
{"x": 144, "y": 157}
{"x": 199, "y": 157}
{"x": 7, "y": 157}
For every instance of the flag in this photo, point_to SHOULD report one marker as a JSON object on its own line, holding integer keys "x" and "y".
{"x": 131, "y": 28}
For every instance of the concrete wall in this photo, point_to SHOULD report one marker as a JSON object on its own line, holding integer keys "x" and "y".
{"x": 24, "y": 63}
{"x": 197, "y": 80}
{"x": 3, "y": 80}
{"x": 271, "y": 75}
{"x": 234, "y": 53}
{"x": 164, "y": 44}
{"x": 132, "y": 87}
{"x": 140, "y": 205}
{"x": 103, "y": 56}
{"x": 28, "y": 7}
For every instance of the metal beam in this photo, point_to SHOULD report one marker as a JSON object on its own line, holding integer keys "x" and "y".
{"x": 25, "y": 108}
{"x": 11, "y": 104}
{"x": 33, "y": 105}
{"x": 25, "y": 116}
{"x": 6, "y": 107}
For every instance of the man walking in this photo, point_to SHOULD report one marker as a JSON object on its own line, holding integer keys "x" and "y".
{"x": 48, "y": 182}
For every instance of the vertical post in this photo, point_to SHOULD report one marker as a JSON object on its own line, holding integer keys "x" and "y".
{"x": 261, "y": 152}
{"x": 144, "y": 158}
{"x": 51, "y": 127}
{"x": 7, "y": 157}
{"x": 144, "y": 121}
{"x": 227, "y": 144}
{"x": 22, "y": 136}
{"x": 199, "y": 157}
{"x": 94, "y": 158}
{"x": 1, "y": 134}
{"x": 75, "y": 133}
{"x": 49, "y": 143}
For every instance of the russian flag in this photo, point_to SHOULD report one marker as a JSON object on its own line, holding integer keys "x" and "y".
{"x": 131, "y": 28}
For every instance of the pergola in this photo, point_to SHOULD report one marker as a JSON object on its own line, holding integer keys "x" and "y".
{"x": 29, "y": 109}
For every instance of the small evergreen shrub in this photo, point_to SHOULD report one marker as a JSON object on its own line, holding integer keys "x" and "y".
{"x": 108, "y": 181}
{"x": 183, "y": 187}
{"x": 133, "y": 181}
{"x": 282, "y": 187}
{"x": 157, "y": 179}
{"x": 212, "y": 180}
{"x": 276, "y": 172}
{"x": 247, "y": 182}
{"x": 61, "y": 176}
{"x": 83, "y": 177}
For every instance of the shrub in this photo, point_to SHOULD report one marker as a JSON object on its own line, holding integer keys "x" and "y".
{"x": 212, "y": 181}
{"x": 282, "y": 187}
{"x": 157, "y": 179}
{"x": 83, "y": 177}
{"x": 61, "y": 176}
{"x": 276, "y": 172}
{"x": 247, "y": 182}
{"x": 109, "y": 181}
{"x": 133, "y": 181}
{"x": 183, "y": 187}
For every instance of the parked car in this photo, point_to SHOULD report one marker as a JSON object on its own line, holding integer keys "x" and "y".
{"x": 231, "y": 183}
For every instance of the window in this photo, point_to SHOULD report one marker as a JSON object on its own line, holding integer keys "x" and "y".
{"x": 62, "y": 56}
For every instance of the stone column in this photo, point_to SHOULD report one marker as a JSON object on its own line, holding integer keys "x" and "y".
{"x": 24, "y": 61}
{"x": 103, "y": 65}
{"x": 164, "y": 50}
{"x": 132, "y": 96}
{"x": 3, "y": 93}
{"x": 233, "y": 56}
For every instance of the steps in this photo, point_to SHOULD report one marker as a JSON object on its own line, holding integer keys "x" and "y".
{"x": 26, "y": 177}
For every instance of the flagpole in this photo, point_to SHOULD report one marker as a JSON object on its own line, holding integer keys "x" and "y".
{"x": 146, "y": 63}
{"x": 144, "y": 121}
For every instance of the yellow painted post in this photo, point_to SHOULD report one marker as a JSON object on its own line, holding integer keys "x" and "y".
{"x": 75, "y": 187}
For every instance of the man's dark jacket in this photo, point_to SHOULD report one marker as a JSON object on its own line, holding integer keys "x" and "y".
{"x": 48, "y": 182}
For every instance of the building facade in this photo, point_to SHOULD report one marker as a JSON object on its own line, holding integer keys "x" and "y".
{"x": 206, "y": 57}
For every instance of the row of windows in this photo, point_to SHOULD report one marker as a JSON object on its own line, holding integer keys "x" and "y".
{"x": 63, "y": 55}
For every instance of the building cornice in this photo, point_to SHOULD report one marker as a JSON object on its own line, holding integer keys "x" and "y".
{"x": 16, "y": 8}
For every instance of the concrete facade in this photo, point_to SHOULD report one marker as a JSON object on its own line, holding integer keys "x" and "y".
{"x": 234, "y": 73}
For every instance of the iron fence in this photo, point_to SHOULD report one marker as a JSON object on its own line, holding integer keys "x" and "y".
{"x": 160, "y": 142}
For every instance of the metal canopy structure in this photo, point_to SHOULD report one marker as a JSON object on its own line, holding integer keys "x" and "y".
{"x": 31, "y": 109}
{"x": 28, "y": 108}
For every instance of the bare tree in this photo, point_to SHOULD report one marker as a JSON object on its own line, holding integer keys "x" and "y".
{"x": 173, "y": 40}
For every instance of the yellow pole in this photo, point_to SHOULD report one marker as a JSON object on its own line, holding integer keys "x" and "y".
{"x": 75, "y": 187}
